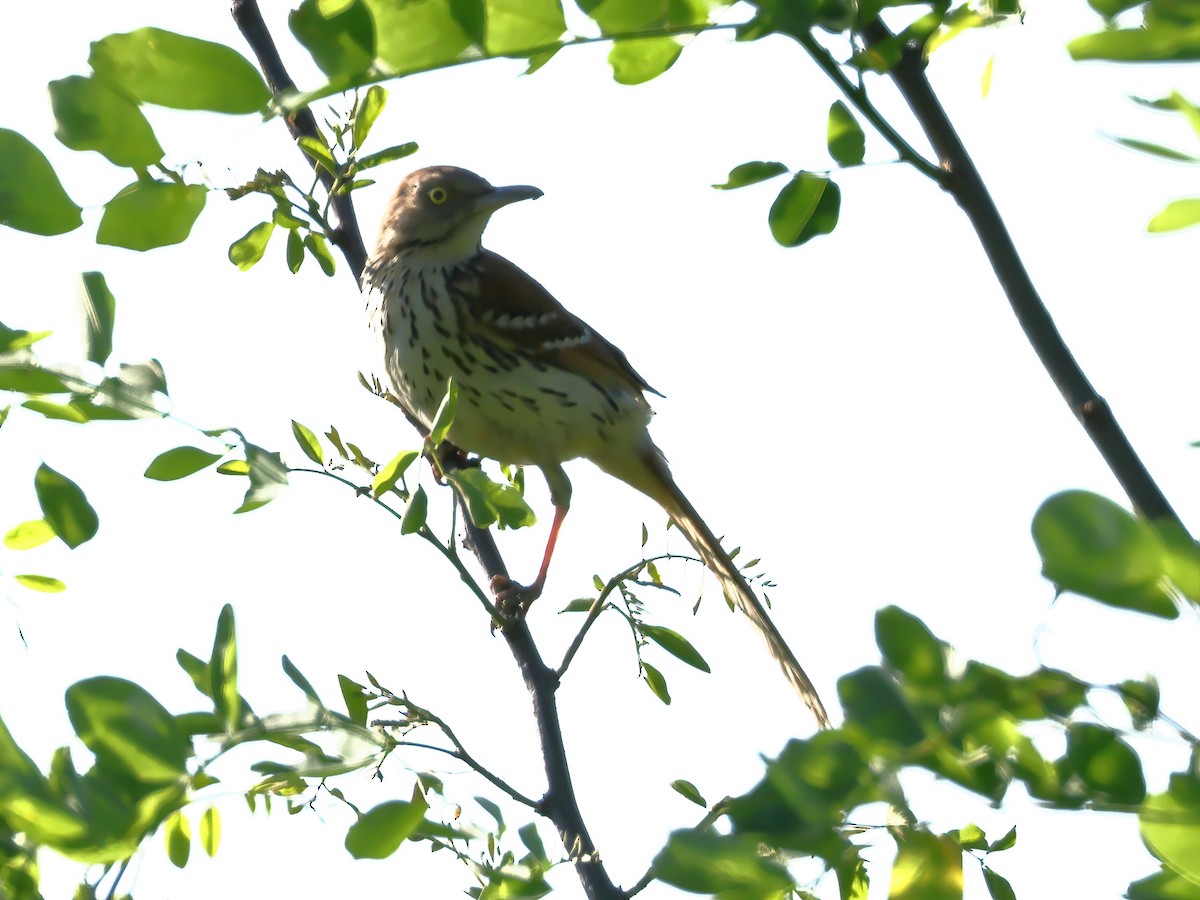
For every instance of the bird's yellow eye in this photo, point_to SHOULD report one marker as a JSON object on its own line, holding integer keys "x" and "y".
{"x": 438, "y": 195}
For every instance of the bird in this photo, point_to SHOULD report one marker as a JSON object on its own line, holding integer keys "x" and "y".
{"x": 537, "y": 386}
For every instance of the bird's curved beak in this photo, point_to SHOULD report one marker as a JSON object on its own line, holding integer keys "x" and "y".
{"x": 502, "y": 196}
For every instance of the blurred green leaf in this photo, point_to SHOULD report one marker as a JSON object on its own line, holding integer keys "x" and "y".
{"x": 872, "y": 701}
{"x": 223, "y": 671}
{"x": 444, "y": 420}
{"x": 689, "y": 790}
{"x": 638, "y": 60}
{"x": 927, "y": 867}
{"x": 29, "y": 803}
{"x": 1164, "y": 885}
{"x": 100, "y": 314}
{"x": 844, "y": 136}
{"x": 28, "y": 535}
{"x": 391, "y": 473}
{"x": 31, "y": 196}
{"x": 128, "y": 730}
{"x": 909, "y": 646}
{"x": 490, "y": 502}
{"x": 1091, "y": 546}
{"x": 1112, "y": 8}
{"x": 1170, "y": 826}
{"x": 341, "y": 44}
{"x": 1005, "y": 843}
{"x": 411, "y": 36}
{"x": 1175, "y": 215}
{"x": 30, "y": 378}
{"x": 65, "y": 507}
{"x": 415, "y": 512}
{"x": 149, "y": 214}
{"x": 179, "y": 462}
{"x": 308, "y": 443}
{"x": 1138, "y": 45}
{"x": 355, "y": 697}
{"x": 177, "y": 833}
{"x": 210, "y": 830}
{"x": 807, "y": 206}
{"x": 268, "y": 476}
{"x": 704, "y": 862}
{"x": 369, "y": 107}
{"x": 998, "y": 885}
{"x": 42, "y": 583}
{"x": 656, "y": 683}
{"x": 1105, "y": 763}
{"x": 317, "y": 150}
{"x": 298, "y": 679}
{"x": 65, "y": 412}
{"x": 1159, "y": 150}
{"x": 91, "y": 115}
{"x": 319, "y": 248}
{"x": 677, "y": 645}
{"x": 379, "y": 832}
{"x": 1141, "y": 699}
{"x": 181, "y": 72}
{"x": 517, "y": 25}
{"x": 14, "y": 339}
{"x": 295, "y": 251}
{"x": 250, "y": 247}
{"x": 386, "y": 156}
{"x": 533, "y": 842}
{"x": 751, "y": 173}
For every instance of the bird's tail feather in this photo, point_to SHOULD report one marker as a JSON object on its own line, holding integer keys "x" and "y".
{"x": 654, "y": 479}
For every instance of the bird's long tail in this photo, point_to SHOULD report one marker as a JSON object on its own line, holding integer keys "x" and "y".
{"x": 652, "y": 476}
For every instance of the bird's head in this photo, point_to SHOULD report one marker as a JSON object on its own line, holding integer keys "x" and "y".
{"x": 444, "y": 210}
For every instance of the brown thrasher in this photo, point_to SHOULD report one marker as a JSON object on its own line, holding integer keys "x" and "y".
{"x": 536, "y": 385}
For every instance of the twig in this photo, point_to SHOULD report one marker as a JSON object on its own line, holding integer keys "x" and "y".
{"x": 965, "y": 184}
{"x": 463, "y": 756}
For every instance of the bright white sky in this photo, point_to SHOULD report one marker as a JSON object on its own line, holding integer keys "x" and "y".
{"x": 863, "y": 413}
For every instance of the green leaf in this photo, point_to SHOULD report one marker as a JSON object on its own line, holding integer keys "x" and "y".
{"x": 1112, "y": 8}
{"x": 222, "y": 671}
{"x": 149, "y": 214}
{"x": 355, "y": 697}
{"x": 1138, "y": 45}
{"x": 927, "y": 867}
{"x": 100, "y": 312}
{"x": 210, "y": 831}
{"x": 677, "y": 645}
{"x": 689, "y": 790}
{"x": 367, "y": 112}
{"x": 656, "y": 683}
{"x": 1005, "y": 843}
{"x": 514, "y": 26}
{"x": 268, "y": 476}
{"x": 295, "y": 251}
{"x": 319, "y": 248}
{"x": 250, "y": 247}
{"x": 1175, "y": 215}
{"x": 1141, "y": 699}
{"x": 704, "y": 862}
{"x": 308, "y": 443}
{"x": 298, "y": 679}
{"x": 1091, "y": 546}
{"x": 32, "y": 198}
{"x": 178, "y": 835}
{"x": 1105, "y": 763}
{"x": 909, "y": 646}
{"x": 380, "y": 832}
{"x": 638, "y": 60}
{"x": 13, "y": 339}
{"x": 873, "y": 701}
{"x": 844, "y": 136}
{"x": 751, "y": 173}
{"x": 318, "y": 151}
{"x": 1156, "y": 150}
{"x": 533, "y": 842}
{"x": 91, "y": 115}
{"x": 28, "y": 535}
{"x": 64, "y": 412}
{"x": 412, "y": 36}
{"x": 43, "y": 583}
{"x": 445, "y": 415}
{"x": 342, "y": 44}
{"x": 1170, "y": 826}
{"x": 415, "y": 512}
{"x": 30, "y": 378}
{"x": 1164, "y": 885}
{"x": 806, "y": 207}
{"x": 180, "y": 462}
{"x": 998, "y": 885}
{"x": 128, "y": 730}
{"x": 386, "y": 156}
{"x": 490, "y": 502}
{"x": 181, "y": 72}
{"x": 387, "y": 476}
{"x": 65, "y": 507}
{"x": 985, "y": 80}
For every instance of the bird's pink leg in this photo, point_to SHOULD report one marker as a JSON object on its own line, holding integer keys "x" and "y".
{"x": 508, "y": 592}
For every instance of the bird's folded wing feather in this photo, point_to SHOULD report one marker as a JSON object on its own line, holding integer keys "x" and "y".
{"x": 512, "y": 309}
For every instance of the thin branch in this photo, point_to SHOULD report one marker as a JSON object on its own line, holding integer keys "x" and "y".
{"x": 462, "y": 756}
{"x": 715, "y": 812}
{"x": 963, "y": 181}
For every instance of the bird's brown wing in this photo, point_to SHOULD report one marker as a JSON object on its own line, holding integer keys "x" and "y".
{"x": 512, "y": 309}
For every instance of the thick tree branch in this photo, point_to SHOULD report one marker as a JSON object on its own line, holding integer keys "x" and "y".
{"x": 965, "y": 184}
{"x": 559, "y": 803}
